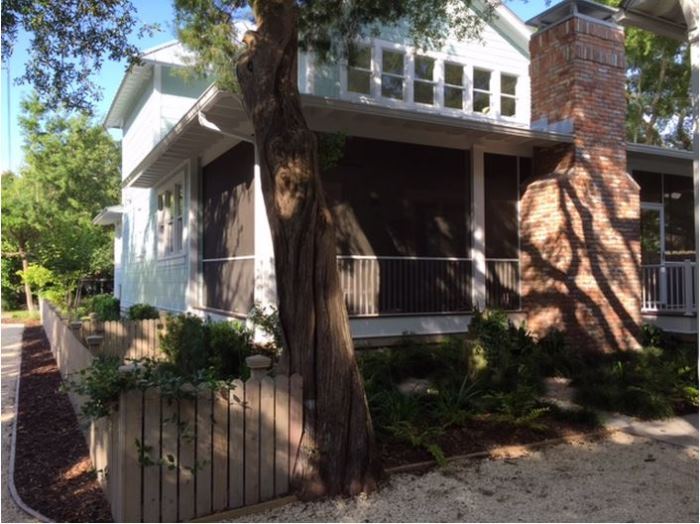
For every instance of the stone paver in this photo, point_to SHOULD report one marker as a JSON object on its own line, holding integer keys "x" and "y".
{"x": 11, "y": 358}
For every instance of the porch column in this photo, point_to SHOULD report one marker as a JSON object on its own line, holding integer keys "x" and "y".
{"x": 478, "y": 252}
{"x": 193, "y": 296}
{"x": 265, "y": 291}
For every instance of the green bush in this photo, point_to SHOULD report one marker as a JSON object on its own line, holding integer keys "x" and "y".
{"x": 652, "y": 383}
{"x": 142, "y": 312}
{"x": 185, "y": 343}
{"x": 105, "y": 306}
{"x": 229, "y": 344}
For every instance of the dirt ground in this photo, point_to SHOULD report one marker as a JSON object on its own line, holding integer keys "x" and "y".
{"x": 622, "y": 478}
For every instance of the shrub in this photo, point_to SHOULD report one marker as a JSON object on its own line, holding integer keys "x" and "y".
{"x": 105, "y": 306}
{"x": 229, "y": 345}
{"x": 142, "y": 312}
{"x": 185, "y": 344}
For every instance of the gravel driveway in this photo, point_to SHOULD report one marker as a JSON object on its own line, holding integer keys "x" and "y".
{"x": 623, "y": 478}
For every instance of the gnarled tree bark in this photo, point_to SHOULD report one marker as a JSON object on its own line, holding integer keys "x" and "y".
{"x": 337, "y": 453}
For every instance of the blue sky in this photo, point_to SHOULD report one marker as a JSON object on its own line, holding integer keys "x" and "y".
{"x": 149, "y": 11}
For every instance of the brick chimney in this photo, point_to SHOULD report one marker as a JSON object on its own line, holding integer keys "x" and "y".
{"x": 580, "y": 245}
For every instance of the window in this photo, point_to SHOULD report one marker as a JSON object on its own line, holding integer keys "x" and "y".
{"x": 392, "y": 74}
{"x": 508, "y": 84}
{"x": 360, "y": 69}
{"x": 454, "y": 86}
{"x": 423, "y": 83}
{"x": 170, "y": 219}
{"x": 482, "y": 91}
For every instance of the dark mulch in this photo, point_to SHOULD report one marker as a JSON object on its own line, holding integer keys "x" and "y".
{"x": 53, "y": 471}
{"x": 479, "y": 434}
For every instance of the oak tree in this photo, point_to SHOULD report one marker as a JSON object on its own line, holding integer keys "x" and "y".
{"x": 337, "y": 453}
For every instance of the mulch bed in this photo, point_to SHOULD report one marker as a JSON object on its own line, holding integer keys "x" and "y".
{"x": 53, "y": 471}
{"x": 478, "y": 434}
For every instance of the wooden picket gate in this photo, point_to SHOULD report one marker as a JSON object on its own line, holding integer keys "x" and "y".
{"x": 164, "y": 459}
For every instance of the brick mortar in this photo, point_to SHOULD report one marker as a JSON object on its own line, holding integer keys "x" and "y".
{"x": 580, "y": 253}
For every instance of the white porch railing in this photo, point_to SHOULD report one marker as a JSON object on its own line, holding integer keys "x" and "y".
{"x": 669, "y": 287}
{"x": 388, "y": 285}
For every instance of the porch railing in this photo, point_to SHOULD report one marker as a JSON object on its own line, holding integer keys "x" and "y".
{"x": 669, "y": 287}
{"x": 503, "y": 283}
{"x": 405, "y": 285}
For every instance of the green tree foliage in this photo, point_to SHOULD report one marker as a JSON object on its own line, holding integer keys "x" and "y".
{"x": 659, "y": 108}
{"x": 71, "y": 171}
{"x": 69, "y": 42}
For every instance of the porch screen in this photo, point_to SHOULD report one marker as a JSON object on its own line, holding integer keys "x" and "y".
{"x": 672, "y": 197}
{"x": 402, "y": 222}
{"x": 501, "y": 194}
{"x": 227, "y": 202}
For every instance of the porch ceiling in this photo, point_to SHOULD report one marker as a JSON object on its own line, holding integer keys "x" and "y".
{"x": 218, "y": 113}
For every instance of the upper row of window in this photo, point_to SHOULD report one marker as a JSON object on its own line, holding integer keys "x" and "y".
{"x": 426, "y": 87}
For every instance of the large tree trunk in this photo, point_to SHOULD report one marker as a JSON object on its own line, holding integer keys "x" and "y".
{"x": 337, "y": 453}
{"x": 27, "y": 287}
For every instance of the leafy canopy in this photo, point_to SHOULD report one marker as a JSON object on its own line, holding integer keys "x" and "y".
{"x": 71, "y": 171}
{"x": 213, "y": 29}
{"x": 69, "y": 42}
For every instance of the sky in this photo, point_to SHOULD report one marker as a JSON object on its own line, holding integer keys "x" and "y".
{"x": 110, "y": 76}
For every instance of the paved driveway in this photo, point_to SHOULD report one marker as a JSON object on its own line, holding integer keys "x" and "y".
{"x": 11, "y": 358}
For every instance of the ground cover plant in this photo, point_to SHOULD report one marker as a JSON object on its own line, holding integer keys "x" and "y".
{"x": 441, "y": 398}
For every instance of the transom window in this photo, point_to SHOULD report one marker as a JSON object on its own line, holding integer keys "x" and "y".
{"x": 392, "y": 74}
{"x": 360, "y": 69}
{"x": 508, "y": 85}
{"x": 482, "y": 91}
{"x": 423, "y": 82}
{"x": 170, "y": 219}
{"x": 454, "y": 85}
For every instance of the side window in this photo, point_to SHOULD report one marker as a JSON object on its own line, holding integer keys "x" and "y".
{"x": 170, "y": 219}
{"x": 424, "y": 80}
{"x": 360, "y": 69}
{"x": 508, "y": 99}
{"x": 482, "y": 91}
{"x": 392, "y": 74}
{"x": 454, "y": 85}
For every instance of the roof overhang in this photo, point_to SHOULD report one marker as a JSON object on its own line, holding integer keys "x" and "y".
{"x": 664, "y": 17}
{"x": 658, "y": 151}
{"x": 219, "y": 113}
{"x": 109, "y": 216}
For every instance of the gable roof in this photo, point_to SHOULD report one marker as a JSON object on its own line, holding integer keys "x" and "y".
{"x": 170, "y": 53}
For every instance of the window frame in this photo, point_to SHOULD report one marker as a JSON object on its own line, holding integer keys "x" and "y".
{"x": 167, "y": 218}
{"x": 503, "y": 95}
{"x": 403, "y": 77}
{"x": 432, "y": 83}
{"x": 346, "y": 67}
{"x": 490, "y": 91}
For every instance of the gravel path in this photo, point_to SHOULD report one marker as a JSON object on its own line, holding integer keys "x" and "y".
{"x": 11, "y": 351}
{"x": 623, "y": 478}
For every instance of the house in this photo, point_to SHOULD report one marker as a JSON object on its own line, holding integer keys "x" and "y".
{"x": 488, "y": 173}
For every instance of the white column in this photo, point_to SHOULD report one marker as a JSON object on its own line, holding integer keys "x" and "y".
{"x": 265, "y": 292}
{"x": 478, "y": 253}
{"x": 193, "y": 298}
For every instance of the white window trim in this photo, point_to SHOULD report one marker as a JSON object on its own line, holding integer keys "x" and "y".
{"x": 169, "y": 185}
{"x": 375, "y": 97}
{"x": 433, "y": 83}
{"x": 492, "y": 106}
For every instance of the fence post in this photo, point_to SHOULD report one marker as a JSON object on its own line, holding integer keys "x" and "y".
{"x": 688, "y": 287}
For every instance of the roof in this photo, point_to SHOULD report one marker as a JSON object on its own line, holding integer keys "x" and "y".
{"x": 664, "y": 17}
{"x": 171, "y": 53}
{"x": 109, "y": 216}
{"x": 569, "y": 8}
{"x": 220, "y": 113}
{"x": 659, "y": 151}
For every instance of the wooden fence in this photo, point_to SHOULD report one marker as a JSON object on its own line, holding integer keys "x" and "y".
{"x": 164, "y": 459}
{"x": 127, "y": 338}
